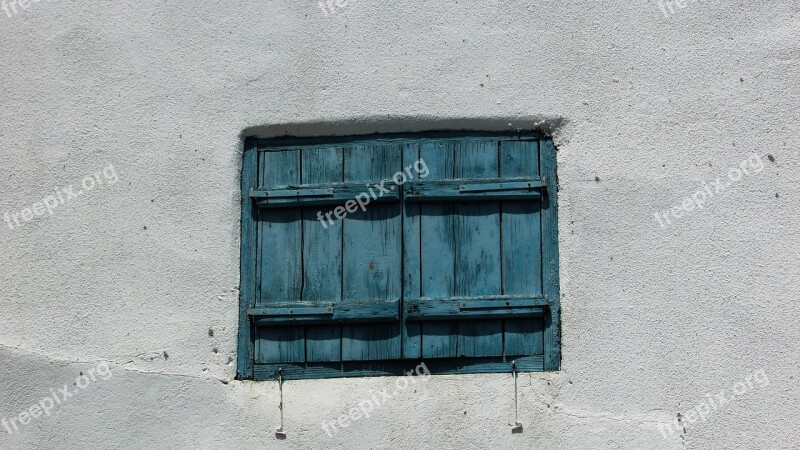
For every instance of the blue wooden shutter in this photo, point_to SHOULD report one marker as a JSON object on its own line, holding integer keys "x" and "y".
{"x": 459, "y": 268}
{"x": 326, "y": 293}
{"x": 474, "y": 265}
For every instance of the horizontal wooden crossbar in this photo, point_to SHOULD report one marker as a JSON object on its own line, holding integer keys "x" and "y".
{"x": 328, "y": 194}
{"x": 443, "y": 366}
{"x": 414, "y": 191}
{"x": 305, "y": 314}
{"x": 293, "y": 193}
{"x": 474, "y": 189}
{"x": 464, "y": 308}
{"x": 450, "y": 308}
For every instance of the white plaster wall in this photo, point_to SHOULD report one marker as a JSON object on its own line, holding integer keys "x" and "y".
{"x": 644, "y": 108}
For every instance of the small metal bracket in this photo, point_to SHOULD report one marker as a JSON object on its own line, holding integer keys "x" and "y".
{"x": 280, "y": 433}
{"x": 516, "y": 426}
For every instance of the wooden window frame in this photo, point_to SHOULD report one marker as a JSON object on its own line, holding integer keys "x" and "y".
{"x": 549, "y": 361}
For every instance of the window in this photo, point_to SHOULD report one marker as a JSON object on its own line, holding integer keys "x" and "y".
{"x": 447, "y": 252}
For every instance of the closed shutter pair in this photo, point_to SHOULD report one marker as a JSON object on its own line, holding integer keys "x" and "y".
{"x": 449, "y": 255}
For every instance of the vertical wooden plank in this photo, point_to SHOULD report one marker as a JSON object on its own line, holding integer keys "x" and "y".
{"x": 478, "y": 338}
{"x": 279, "y": 344}
{"x": 412, "y": 331}
{"x": 437, "y": 253}
{"x": 522, "y": 240}
{"x": 322, "y": 254}
{"x": 524, "y": 337}
{"x": 323, "y": 343}
{"x": 372, "y": 253}
{"x": 552, "y": 337}
{"x": 248, "y": 250}
{"x": 476, "y": 230}
{"x": 280, "y": 233}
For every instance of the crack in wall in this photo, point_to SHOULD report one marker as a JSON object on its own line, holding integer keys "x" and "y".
{"x": 115, "y": 363}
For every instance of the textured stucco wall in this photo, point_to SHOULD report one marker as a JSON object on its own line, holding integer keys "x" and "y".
{"x": 644, "y": 108}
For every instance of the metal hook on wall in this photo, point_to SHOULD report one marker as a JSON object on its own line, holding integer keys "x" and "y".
{"x": 279, "y": 433}
{"x": 516, "y": 426}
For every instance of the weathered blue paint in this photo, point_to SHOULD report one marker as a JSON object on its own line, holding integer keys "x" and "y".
{"x": 280, "y": 238}
{"x": 411, "y": 343}
{"x": 522, "y": 241}
{"x": 372, "y": 246}
{"x": 476, "y": 241}
{"x": 459, "y": 268}
{"x": 440, "y": 366}
{"x": 322, "y": 255}
{"x": 455, "y": 308}
{"x": 301, "y": 313}
{"x": 249, "y": 247}
{"x": 436, "y": 252}
{"x": 552, "y": 331}
{"x": 473, "y": 190}
{"x": 309, "y": 195}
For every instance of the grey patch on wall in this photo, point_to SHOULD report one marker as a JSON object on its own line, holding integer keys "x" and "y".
{"x": 547, "y": 125}
{"x": 55, "y": 153}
